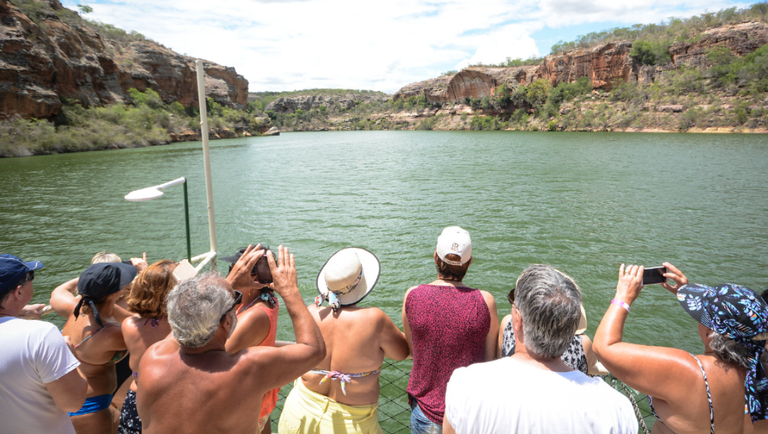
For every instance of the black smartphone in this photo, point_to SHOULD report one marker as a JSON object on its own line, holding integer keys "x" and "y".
{"x": 261, "y": 269}
{"x": 654, "y": 275}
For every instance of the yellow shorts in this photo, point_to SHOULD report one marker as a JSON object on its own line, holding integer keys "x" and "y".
{"x": 308, "y": 412}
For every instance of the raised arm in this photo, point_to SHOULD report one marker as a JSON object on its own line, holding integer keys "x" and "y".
{"x": 63, "y": 298}
{"x": 240, "y": 277}
{"x": 288, "y": 362}
{"x": 393, "y": 341}
{"x": 655, "y": 371}
{"x": 491, "y": 340}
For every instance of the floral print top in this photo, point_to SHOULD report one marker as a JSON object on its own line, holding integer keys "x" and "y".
{"x": 574, "y": 356}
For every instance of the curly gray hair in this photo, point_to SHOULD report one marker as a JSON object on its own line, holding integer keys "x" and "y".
{"x": 730, "y": 351}
{"x": 195, "y": 308}
{"x": 549, "y": 302}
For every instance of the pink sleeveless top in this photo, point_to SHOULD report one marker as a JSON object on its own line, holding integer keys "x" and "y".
{"x": 448, "y": 330}
{"x": 269, "y": 401}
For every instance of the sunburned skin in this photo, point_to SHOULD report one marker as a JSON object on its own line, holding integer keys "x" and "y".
{"x": 96, "y": 347}
{"x": 357, "y": 340}
{"x": 672, "y": 376}
{"x": 207, "y": 389}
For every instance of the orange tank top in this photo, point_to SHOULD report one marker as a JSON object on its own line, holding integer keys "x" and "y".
{"x": 270, "y": 398}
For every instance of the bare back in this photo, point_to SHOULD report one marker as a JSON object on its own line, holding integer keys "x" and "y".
{"x": 139, "y": 334}
{"x": 96, "y": 348}
{"x": 356, "y": 341}
{"x": 203, "y": 393}
{"x": 691, "y": 415}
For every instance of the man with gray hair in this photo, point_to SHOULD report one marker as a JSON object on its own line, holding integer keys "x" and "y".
{"x": 534, "y": 391}
{"x": 188, "y": 383}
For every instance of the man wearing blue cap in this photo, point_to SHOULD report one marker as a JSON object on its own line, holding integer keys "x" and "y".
{"x": 39, "y": 382}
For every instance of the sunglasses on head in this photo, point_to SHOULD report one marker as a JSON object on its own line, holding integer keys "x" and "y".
{"x": 511, "y": 296}
{"x": 238, "y": 300}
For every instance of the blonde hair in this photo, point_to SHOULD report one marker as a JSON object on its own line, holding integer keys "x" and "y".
{"x": 103, "y": 256}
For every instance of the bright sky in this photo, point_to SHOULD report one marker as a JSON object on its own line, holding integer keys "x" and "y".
{"x": 361, "y": 44}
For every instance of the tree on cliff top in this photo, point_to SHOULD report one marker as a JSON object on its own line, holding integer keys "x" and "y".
{"x": 670, "y": 30}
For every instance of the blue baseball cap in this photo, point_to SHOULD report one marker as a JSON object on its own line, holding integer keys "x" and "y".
{"x": 13, "y": 269}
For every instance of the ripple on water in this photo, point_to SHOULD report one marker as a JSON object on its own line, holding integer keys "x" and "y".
{"x": 584, "y": 203}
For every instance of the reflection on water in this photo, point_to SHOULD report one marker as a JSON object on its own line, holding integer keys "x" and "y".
{"x": 582, "y": 202}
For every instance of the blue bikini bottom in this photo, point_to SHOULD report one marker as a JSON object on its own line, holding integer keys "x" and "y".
{"x": 94, "y": 404}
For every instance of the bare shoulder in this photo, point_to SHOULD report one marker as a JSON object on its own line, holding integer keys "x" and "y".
{"x": 505, "y": 320}
{"x": 253, "y": 315}
{"x": 488, "y": 297}
{"x": 130, "y": 325}
{"x": 376, "y": 314}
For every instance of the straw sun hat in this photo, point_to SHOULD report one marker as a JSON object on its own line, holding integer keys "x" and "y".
{"x": 348, "y": 276}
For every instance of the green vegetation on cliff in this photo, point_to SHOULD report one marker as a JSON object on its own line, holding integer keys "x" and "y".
{"x": 38, "y": 10}
{"x": 144, "y": 121}
{"x": 730, "y": 94}
{"x": 669, "y": 31}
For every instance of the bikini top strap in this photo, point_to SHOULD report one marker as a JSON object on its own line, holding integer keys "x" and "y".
{"x": 342, "y": 377}
{"x": 90, "y": 336}
{"x": 709, "y": 397}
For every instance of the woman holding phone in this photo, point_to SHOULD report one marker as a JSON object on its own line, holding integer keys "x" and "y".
{"x": 687, "y": 393}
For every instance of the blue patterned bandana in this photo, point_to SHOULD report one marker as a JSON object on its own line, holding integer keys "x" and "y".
{"x": 738, "y": 313}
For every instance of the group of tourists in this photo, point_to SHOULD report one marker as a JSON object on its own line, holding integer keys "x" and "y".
{"x": 201, "y": 354}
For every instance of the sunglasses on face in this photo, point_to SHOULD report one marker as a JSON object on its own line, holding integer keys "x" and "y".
{"x": 238, "y": 300}
{"x": 30, "y": 276}
{"x": 511, "y": 296}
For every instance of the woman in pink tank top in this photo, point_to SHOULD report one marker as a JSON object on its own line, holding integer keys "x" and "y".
{"x": 448, "y": 325}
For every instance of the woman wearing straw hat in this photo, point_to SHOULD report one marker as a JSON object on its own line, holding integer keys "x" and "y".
{"x": 579, "y": 355}
{"x": 341, "y": 394}
{"x": 725, "y": 387}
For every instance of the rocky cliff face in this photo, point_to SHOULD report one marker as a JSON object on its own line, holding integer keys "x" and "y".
{"x": 309, "y": 102}
{"x": 605, "y": 65}
{"x": 46, "y": 59}
{"x": 741, "y": 38}
{"x": 473, "y": 82}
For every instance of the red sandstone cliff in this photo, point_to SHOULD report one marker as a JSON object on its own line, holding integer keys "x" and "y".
{"x": 605, "y": 65}
{"x": 45, "y": 59}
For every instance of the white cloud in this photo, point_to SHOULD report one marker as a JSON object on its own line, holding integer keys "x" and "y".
{"x": 299, "y": 44}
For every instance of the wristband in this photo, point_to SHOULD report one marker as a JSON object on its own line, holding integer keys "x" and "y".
{"x": 621, "y": 303}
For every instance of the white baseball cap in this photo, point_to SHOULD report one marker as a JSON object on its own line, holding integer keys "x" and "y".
{"x": 454, "y": 240}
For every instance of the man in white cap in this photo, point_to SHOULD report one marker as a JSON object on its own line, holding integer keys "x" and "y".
{"x": 39, "y": 382}
{"x": 448, "y": 325}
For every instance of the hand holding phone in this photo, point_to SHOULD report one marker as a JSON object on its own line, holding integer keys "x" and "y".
{"x": 654, "y": 275}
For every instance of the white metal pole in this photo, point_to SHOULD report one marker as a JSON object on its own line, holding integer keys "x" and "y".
{"x": 206, "y": 155}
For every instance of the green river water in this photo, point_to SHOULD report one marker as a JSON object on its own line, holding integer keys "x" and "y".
{"x": 583, "y": 202}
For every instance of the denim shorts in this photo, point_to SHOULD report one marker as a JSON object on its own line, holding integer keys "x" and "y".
{"x": 421, "y": 424}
